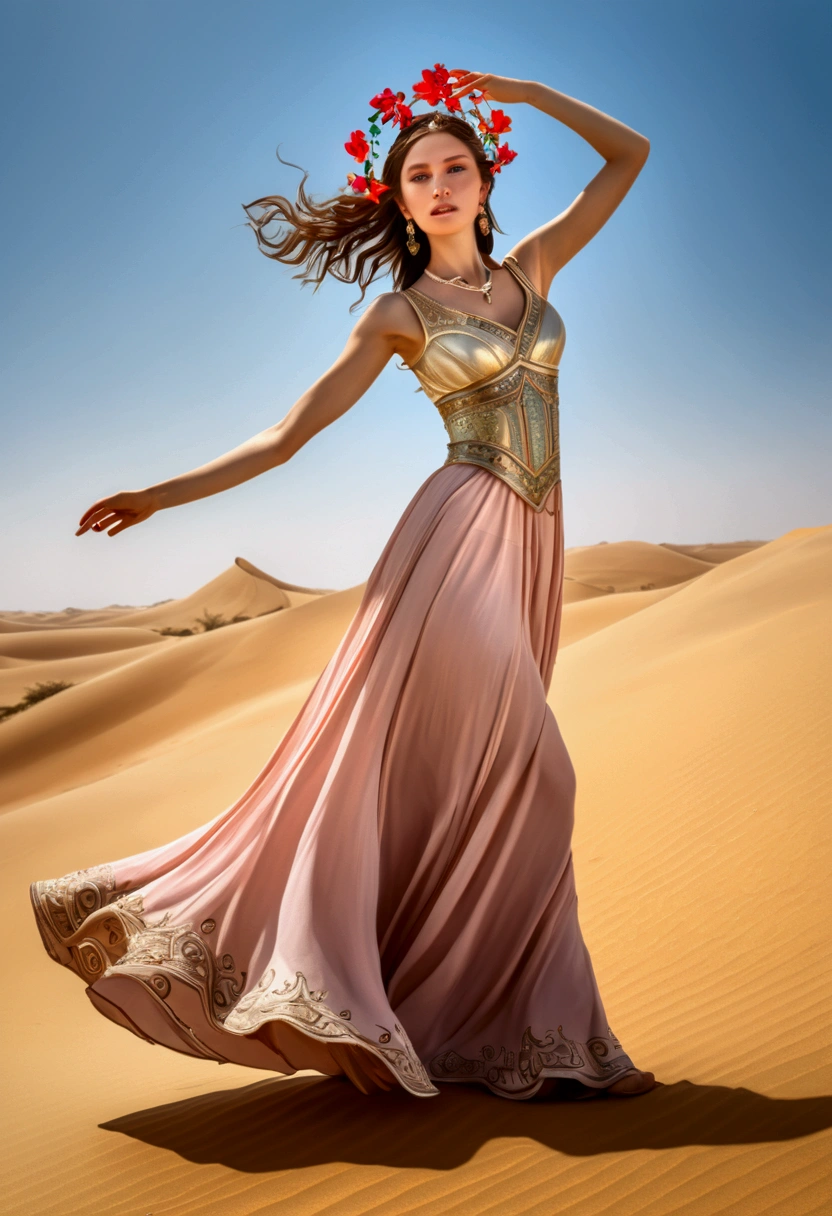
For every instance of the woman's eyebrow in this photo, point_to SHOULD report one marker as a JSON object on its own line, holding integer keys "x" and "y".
{"x": 424, "y": 165}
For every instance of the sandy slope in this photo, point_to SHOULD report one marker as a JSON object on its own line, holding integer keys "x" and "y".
{"x": 631, "y": 565}
{"x": 42, "y": 644}
{"x": 715, "y": 554}
{"x": 241, "y": 589}
{"x": 697, "y": 715}
{"x": 587, "y": 614}
{"x": 68, "y": 618}
{"x": 16, "y": 675}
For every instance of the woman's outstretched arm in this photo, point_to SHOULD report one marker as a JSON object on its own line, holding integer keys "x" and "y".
{"x": 543, "y": 252}
{"x": 384, "y": 330}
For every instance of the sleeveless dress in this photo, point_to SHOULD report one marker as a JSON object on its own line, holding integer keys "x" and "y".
{"x": 393, "y": 899}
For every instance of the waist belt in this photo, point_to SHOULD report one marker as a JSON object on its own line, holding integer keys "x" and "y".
{"x": 509, "y": 427}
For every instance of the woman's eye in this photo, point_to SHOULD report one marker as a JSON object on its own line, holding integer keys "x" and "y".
{"x": 460, "y": 167}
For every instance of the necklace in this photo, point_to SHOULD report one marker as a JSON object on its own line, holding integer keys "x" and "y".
{"x": 458, "y": 281}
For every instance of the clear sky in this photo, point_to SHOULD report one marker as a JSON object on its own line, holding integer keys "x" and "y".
{"x": 145, "y": 334}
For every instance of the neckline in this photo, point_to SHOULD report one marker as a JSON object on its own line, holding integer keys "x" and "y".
{"x": 515, "y": 333}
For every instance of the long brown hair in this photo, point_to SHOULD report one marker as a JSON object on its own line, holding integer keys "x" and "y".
{"x": 351, "y": 237}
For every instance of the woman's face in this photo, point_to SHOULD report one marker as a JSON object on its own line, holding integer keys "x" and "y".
{"x": 441, "y": 186}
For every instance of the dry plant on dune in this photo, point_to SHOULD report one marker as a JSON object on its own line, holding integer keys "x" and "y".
{"x": 31, "y": 696}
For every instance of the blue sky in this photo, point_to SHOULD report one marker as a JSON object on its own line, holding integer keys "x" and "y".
{"x": 144, "y": 334}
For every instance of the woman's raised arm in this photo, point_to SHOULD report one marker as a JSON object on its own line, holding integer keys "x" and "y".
{"x": 383, "y": 330}
{"x": 543, "y": 252}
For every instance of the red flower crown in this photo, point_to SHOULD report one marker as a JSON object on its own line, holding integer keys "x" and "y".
{"x": 435, "y": 89}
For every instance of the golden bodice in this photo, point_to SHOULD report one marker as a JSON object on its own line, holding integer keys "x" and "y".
{"x": 496, "y": 388}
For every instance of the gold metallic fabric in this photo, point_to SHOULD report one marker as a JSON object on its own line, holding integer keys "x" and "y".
{"x": 496, "y": 388}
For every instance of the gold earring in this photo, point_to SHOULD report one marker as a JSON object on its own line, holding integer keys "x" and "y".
{"x": 485, "y": 227}
{"x": 412, "y": 244}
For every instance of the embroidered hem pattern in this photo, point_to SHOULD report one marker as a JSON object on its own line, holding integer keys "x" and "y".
{"x": 88, "y": 927}
{"x": 95, "y": 931}
{"x": 597, "y": 1063}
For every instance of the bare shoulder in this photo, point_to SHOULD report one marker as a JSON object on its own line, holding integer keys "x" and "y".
{"x": 393, "y": 313}
{"x": 391, "y": 316}
{"x": 526, "y": 255}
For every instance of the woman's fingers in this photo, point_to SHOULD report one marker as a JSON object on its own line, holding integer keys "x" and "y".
{"x": 100, "y": 505}
{"x": 469, "y": 83}
{"x": 118, "y": 512}
{"x": 100, "y": 519}
{"x": 123, "y": 519}
{"x": 93, "y": 519}
{"x": 127, "y": 523}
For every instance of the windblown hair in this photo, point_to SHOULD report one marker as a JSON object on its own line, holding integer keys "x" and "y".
{"x": 351, "y": 237}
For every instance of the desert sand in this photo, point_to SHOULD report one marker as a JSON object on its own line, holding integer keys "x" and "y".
{"x": 692, "y": 687}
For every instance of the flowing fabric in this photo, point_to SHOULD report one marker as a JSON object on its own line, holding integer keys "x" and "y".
{"x": 393, "y": 897}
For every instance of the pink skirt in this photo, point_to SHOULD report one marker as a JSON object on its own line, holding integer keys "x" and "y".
{"x": 393, "y": 898}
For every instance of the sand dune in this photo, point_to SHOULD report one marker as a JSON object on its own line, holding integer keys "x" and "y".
{"x": 69, "y": 643}
{"x": 241, "y": 589}
{"x": 118, "y": 718}
{"x": 16, "y": 675}
{"x": 68, "y": 618}
{"x": 698, "y": 717}
{"x": 588, "y": 614}
{"x": 631, "y": 565}
{"x": 715, "y": 554}
{"x": 575, "y": 592}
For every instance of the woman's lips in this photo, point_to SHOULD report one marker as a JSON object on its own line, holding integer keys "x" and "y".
{"x": 444, "y": 209}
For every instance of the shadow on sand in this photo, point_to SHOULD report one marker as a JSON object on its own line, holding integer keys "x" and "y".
{"x": 298, "y": 1122}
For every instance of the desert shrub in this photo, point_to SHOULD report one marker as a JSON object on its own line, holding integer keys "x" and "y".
{"x": 208, "y": 621}
{"x": 31, "y": 696}
{"x": 211, "y": 620}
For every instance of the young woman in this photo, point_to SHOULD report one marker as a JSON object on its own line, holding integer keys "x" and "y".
{"x": 393, "y": 898}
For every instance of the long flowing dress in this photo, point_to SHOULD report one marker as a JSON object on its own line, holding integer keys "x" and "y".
{"x": 393, "y": 899}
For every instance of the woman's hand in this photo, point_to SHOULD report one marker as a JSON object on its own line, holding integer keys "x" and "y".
{"x": 123, "y": 510}
{"x": 493, "y": 88}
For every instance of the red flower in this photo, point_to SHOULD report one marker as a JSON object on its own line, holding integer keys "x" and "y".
{"x": 368, "y": 186}
{"x": 376, "y": 188}
{"x": 404, "y": 114}
{"x": 358, "y": 147}
{"x": 500, "y": 122}
{"x": 505, "y": 155}
{"x": 385, "y": 102}
{"x": 389, "y": 104}
{"x": 434, "y": 88}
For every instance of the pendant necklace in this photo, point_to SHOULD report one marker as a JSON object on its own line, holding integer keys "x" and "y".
{"x": 458, "y": 281}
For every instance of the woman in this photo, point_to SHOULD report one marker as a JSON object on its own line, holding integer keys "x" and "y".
{"x": 393, "y": 899}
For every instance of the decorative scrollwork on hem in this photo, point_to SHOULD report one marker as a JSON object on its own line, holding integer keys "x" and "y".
{"x": 520, "y": 1073}
{"x": 295, "y": 1003}
{"x": 97, "y": 932}
{"x": 162, "y": 950}
{"x": 63, "y": 906}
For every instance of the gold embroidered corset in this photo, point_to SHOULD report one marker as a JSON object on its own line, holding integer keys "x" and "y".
{"x": 496, "y": 388}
